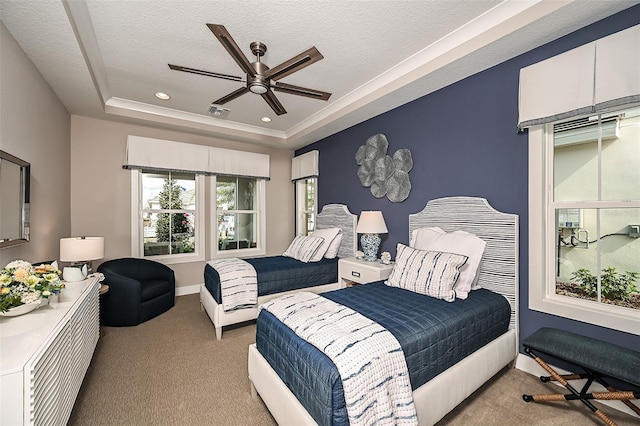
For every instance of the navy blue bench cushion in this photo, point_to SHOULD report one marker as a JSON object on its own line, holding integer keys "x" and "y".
{"x": 277, "y": 274}
{"x": 605, "y": 358}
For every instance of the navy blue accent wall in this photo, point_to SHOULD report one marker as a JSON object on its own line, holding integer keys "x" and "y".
{"x": 463, "y": 140}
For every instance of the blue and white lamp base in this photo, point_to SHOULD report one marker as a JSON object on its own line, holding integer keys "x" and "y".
{"x": 370, "y": 244}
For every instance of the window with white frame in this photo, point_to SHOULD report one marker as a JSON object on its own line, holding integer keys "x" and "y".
{"x": 168, "y": 200}
{"x": 584, "y": 213}
{"x": 238, "y": 211}
{"x": 168, "y": 217}
{"x": 304, "y": 174}
{"x": 306, "y": 205}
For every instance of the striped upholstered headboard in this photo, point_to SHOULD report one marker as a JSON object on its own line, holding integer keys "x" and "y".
{"x": 499, "y": 265}
{"x": 339, "y": 216}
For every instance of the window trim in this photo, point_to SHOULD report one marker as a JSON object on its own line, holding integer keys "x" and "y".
{"x": 300, "y": 203}
{"x": 260, "y": 249}
{"x": 542, "y": 295}
{"x": 137, "y": 228}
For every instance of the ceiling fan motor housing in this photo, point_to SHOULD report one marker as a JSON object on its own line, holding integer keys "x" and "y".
{"x": 258, "y": 84}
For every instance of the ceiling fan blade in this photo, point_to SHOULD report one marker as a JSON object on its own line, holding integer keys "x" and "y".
{"x": 206, "y": 73}
{"x": 302, "y": 91}
{"x": 273, "y": 102}
{"x": 231, "y": 96}
{"x": 228, "y": 43}
{"x": 294, "y": 64}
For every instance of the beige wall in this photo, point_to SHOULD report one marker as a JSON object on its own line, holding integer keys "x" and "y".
{"x": 35, "y": 127}
{"x": 101, "y": 189}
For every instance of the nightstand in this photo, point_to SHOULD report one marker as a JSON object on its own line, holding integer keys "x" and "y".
{"x": 362, "y": 272}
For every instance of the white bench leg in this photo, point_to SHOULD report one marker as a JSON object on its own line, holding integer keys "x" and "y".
{"x": 219, "y": 333}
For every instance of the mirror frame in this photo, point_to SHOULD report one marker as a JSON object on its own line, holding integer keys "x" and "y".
{"x": 24, "y": 202}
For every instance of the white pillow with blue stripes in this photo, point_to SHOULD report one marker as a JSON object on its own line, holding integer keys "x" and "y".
{"x": 432, "y": 273}
{"x": 303, "y": 248}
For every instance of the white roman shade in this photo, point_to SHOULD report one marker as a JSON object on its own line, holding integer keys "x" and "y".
{"x": 305, "y": 165}
{"x": 238, "y": 163}
{"x": 592, "y": 78}
{"x": 158, "y": 154}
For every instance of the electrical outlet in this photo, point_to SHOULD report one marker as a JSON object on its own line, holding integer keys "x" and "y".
{"x": 634, "y": 231}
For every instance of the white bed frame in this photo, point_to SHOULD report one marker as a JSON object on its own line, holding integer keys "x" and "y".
{"x": 331, "y": 216}
{"x": 498, "y": 272}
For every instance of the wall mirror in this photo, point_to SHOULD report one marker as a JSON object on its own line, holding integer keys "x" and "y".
{"x": 14, "y": 193}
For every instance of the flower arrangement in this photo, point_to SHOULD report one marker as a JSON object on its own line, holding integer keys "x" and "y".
{"x": 22, "y": 283}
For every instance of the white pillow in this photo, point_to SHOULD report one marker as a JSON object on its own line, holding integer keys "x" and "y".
{"x": 303, "y": 248}
{"x": 334, "y": 247}
{"x": 432, "y": 273}
{"x": 328, "y": 234}
{"x": 459, "y": 242}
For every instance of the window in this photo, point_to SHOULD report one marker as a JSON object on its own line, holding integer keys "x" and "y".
{"x": 239, "y": 228}
{"x": 306, "y": 206}
{"x": 168, "y": 219}
{"x": 584, "y": 201}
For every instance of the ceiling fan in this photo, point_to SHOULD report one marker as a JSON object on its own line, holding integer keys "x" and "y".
{"x": 260, "y": 79}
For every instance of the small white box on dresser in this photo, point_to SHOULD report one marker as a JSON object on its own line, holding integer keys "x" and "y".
{"x": 361, "y": 271}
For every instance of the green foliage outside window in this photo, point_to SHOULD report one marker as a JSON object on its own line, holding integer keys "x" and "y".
{"x": 613, "y": 285}
{"x": 172, "y": 224}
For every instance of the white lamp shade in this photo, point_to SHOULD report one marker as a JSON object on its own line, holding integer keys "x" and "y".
{"x": 77, "y": 249}
{"x": 371, "y": 222}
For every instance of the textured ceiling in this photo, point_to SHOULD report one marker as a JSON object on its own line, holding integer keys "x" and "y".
{"x": 107, "y": 58}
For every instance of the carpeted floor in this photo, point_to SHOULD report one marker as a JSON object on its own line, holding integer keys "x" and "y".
{"x": 172, "y": 371}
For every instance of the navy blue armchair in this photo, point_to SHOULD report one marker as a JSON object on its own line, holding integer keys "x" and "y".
{"x": 139, "y": 289}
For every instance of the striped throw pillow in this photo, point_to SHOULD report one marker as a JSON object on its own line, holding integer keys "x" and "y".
{"x": 303, "y": 247}
{"x": 433, "y": 273}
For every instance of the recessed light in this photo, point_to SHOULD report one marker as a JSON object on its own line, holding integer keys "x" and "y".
{"x": 266, "y": 119}
{"x": 163, "y": 96}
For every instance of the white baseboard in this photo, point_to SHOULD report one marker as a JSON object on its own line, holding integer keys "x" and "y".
{"x": 529, "y": 365}
{"x": 188, "y": 289}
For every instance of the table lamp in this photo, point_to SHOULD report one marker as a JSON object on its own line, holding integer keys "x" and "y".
{"x": 370, "y": 224}
{"x": 80, "y": 251}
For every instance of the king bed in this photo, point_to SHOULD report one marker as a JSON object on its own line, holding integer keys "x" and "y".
{"x": 279, "y": 275}
{"x": 451, "y": 347}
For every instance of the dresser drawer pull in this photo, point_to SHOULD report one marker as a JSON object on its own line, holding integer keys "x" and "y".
{"x": 355, "y": 274}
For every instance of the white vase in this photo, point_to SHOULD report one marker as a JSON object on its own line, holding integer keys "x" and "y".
{"x": 72, "y": 274}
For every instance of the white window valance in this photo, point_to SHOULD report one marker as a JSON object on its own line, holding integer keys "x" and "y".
{"x": 305, "y": 165}
{"x": 158, "y": 154}
{"x": 238, "y": 163}
{"x": 591, "y": 78}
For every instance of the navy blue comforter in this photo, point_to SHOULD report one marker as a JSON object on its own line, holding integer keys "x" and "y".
{"x": 434, "y": 335}
{"x": 280, "y": 273}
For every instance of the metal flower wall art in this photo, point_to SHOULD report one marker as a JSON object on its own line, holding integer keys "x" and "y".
{"x": 385, "y": 175}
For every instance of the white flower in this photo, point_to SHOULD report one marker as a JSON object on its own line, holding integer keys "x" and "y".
{"x": 31, "y": 297}
{"x": 18, "y": 264}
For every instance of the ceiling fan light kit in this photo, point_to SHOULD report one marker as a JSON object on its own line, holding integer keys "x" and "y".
{"x": 260, "y": 79}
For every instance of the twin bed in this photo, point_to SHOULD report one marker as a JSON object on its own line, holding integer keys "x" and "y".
{"x": 280, "y": 275}
{"x": 450, "y": 348}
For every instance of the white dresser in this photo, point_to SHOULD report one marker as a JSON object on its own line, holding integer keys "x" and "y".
{"x": 45, "y": 354}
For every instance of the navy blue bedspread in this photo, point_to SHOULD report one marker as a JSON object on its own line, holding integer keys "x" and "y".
{"x": 434, "y": 335}
{"x": 280, "y": 273}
